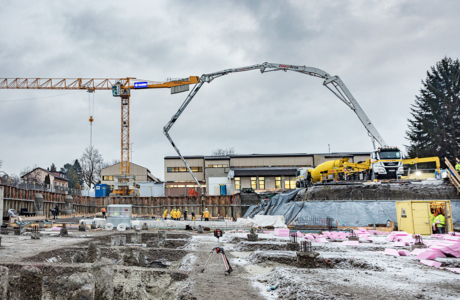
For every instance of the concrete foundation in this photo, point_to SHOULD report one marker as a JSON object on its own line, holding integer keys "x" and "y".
{"x": 19, "y": 230}
{"x": 293, "y": 246}
{"x": 68, "y": 210}
{"x": 118, "y": 240}
{"x": 253, "y": 237}
{"x": 136, "y": 238}
{"x": 3, "y": 282}
{"x": 162, "y": 234}
{"x": 307, "y": 259}
{"x": 38, "y": 204}
{"x": 63, "y": 231}
{"x": 82, "y": 227}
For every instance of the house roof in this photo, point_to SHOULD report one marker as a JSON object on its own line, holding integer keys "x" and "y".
{"x": 54, "y": 175}
{"x": 129, "y": 163}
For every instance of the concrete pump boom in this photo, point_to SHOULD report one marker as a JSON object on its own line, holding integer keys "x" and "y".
{"x": 333, "y": 83}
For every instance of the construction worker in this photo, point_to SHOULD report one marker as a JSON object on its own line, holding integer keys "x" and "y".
{"x": 193, "y": 216}
{"x": 55, "y": 211}
{"x": 185, "y": 215}
{"x": 165, "y": 214}
{"x": 173, "y": 214}
{"x": 457, "y": 167}
{"x": 103, "y": 212}
{"x": 206, "y": 215}
{"x": 179, "y": 215}
{"x": 440, "y": 221}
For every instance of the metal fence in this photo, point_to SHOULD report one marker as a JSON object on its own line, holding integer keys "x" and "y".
{"x": 327, "y": 223}
{"x": 35, "y": 186}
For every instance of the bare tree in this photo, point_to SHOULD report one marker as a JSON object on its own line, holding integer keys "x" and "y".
{"x": 223, "y": 152}
{"x": 1, "y": 163}
{"x": 91, "y": 164}
{"x": 34, "y": 176}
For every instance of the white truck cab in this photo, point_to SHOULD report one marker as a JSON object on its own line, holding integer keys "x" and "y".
{"x": 301, "y": 176}
{"x": 387, "y": 163}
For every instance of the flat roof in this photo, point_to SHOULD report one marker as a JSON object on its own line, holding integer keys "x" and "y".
{"x": 265, "y": 171}
{"x": 210, "y": 157}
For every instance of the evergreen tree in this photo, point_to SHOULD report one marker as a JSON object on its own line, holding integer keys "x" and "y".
{"x": 73, "y": 179}
{"x": 53, "y": 168}
{"x": 77, "y": 168}
{"x": 434, "y": 129}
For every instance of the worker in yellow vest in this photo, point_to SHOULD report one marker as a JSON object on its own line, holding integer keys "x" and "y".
{"x": 165, "y": 214}
{"x": 206, "y": 215}
{"x": 440, "y": 221}
{"x": 432, "y": 217}
{"x": 173, "y": 214}
{"x": 457, "y": 167}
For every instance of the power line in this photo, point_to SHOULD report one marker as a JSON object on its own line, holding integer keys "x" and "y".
{"x": 28, "y": 99}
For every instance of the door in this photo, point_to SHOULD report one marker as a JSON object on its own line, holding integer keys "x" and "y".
{"x": 421, "y": 218}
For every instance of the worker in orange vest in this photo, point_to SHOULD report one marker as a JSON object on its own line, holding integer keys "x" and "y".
{"x": 103, "y": 212}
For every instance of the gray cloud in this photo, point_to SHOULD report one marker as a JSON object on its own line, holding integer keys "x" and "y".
{"x": 381, "y": 50}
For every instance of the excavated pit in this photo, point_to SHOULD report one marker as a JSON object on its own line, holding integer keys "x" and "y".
{"x": 93, "y": 269}
{"x": 245, "y": 246}
{"x": 290, "y": 258}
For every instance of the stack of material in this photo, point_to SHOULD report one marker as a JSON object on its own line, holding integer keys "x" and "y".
{"x": 449, "y": 246}
{"x": 281, "y": 232}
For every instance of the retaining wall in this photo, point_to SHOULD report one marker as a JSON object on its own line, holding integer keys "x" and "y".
{"x": 229, "y": 206}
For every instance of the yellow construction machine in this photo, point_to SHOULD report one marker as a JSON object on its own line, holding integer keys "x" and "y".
{"x": 343, "y": 170}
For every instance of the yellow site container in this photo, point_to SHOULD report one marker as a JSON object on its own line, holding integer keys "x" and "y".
{"x": 414, "y": 215}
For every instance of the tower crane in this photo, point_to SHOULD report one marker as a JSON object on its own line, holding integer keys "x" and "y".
{"x": 120, "y": 87}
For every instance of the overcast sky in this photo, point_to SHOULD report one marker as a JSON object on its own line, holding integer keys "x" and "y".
{"x": 381, "y": 50}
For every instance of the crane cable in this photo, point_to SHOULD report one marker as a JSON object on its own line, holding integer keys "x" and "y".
{"x": 91, "y": 113}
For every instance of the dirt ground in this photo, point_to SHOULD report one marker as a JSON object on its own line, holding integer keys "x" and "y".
{"x": 344, "y": 272}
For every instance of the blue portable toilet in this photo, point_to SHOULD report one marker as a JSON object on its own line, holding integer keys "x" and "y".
{"x": 223, "y": 190}
{"x": 102, "y": 190}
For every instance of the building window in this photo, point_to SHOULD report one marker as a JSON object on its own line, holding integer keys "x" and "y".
{"x": 184, "y": 169}
{"x": 277, "y": 182}
{"x": 254, "y": 183}
{"x": 107, "y": 178}
{"x": 217, "y": 166}
{"x": 289, "y": 183}
{"x": 237, "y": 183}
{"x": 261, "y": 183}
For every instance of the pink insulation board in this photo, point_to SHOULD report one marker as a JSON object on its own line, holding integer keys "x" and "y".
{"x": 393, "y": 252}
{"x": 431, "y": 263}
{"x": 321, "y": 240}
{"x": 404, "y": 252}
{"x": 282, "y": 232}
{"x": 299, "y": 234}
{"x": 418, "y": 251}
{"x": 427, "y": 255}
{"x": 454, "y": 269}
